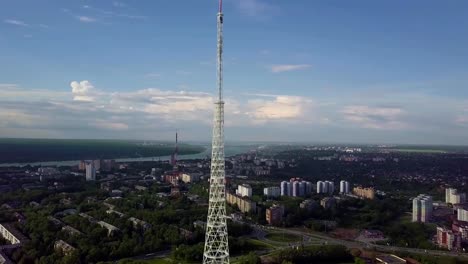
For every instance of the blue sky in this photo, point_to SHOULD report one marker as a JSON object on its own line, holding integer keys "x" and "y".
{"x": 319, "y": 71}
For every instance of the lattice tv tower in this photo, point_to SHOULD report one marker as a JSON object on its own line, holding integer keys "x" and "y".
{"x": 216, "y": 240}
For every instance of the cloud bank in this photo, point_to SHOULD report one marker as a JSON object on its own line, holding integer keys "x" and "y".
{"x": 82, "y": 110}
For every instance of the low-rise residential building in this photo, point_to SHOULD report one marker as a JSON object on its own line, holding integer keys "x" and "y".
{"x": 112, "y": 211}
{"x": 244, "y": 204}
{"x": 244, "y": 190}
{"x": 141, "y": 188}
{"x": 328, "y": 202}
{"x": 274, "y": 215}
{"x": 190, "y": 178}
{"x": 4, "y": 259}
{"x": 187, "y": 234}
{"x": 462, "y": 229}
{"x": 308, "y": 205}
{"x": 362, "y": 192}
{"x": 260, "y": 171}
{"x": 462, "y": 214}
{"x": 87, "y": 216}
{"x": 10, "y": 233}
{"x": 63, "y": 247}
{"x": 199, "y": 224}
{"x": 453, "y": 196}
{"x": 55, "y": 221}
{"x": 71, "y": 231}
{"x": 110, "y": 228}
{"x": 137, "y": 222}
{"x": 448, "y": 239}
{"x": 271, "y": 192}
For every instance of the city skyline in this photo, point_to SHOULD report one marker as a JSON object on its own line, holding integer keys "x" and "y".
{"x": 311, "y": 72}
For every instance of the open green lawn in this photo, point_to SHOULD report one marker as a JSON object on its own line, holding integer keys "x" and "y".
{"x": 405, "y": 219}
{"x": 257, "y": 244}
{"x": 283, "y": 237}
{"x": 159, "y": 261}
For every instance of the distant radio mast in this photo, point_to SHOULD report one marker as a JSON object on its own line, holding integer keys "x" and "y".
{"x": 216, "y": 240}
{"x": 175, "y": 154}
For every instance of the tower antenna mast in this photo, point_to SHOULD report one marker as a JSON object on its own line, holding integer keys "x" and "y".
{"x": 216, "y": 240}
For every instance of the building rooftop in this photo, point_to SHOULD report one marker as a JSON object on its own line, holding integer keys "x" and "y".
{"x": 10, "y": 228}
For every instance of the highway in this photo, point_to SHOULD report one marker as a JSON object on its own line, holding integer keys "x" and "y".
{"x": 311, "y": 238}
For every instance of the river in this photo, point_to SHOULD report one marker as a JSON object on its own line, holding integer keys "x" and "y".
{"x": 228, "y": 150}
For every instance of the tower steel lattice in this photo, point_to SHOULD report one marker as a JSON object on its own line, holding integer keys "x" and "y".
{"x": 216, "y": 240}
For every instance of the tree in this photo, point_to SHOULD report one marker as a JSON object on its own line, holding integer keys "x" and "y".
{"x": 251, "y": 258}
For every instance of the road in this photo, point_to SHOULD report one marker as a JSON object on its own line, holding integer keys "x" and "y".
{"x": 154, "y": 255}
{"x": 310, "y": 238}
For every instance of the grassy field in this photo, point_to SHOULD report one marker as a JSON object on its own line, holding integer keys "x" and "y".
{"x": 283, "y": 237}
{"x": 159, "y": 261}
{"x": 257, "y": 244}
{"x": 404, "y": 219}
{"x": 35, "y": 150}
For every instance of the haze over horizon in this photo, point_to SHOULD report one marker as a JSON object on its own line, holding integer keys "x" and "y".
{"x": 297, "y": 71}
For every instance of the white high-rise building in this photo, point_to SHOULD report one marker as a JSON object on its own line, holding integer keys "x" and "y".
{"x": 452, "y": 196}
{"x": 320, "y": 187}
{"x": 462, "y": 214}
{"x": 244, "y": 190}
{"x": 308, "y": 188}
{"x": 302, "y": 189}
{"x": 284, "y": 188}
{"x": 344, "y": 187}
{"x": 272, "y": 191}
{"x": 295, "y": 188}
{"x": 422, "y": 208}
{"x": 90, "y": 171}
{"x": 325, "y": 187}
{"x": 426, "y": 209}
{"x": 330, "y": 187}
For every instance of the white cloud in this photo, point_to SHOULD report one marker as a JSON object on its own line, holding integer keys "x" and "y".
{"x": 375, "y": 117}
{"x": 8, "y": 85}
{"x": 86, "y": 19}
{"x": 14, "y": 117}
{"x": 107, "y": 13}
{"x": 82, "y": 91}
{"x": 462, "y": 120}
{"x": 102, "y": 124}
{"x": 281, "y": 107}
{"x": 16, "y": 22}
{"x": 288, "y": 67}
{"x": 86, "y": 111}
